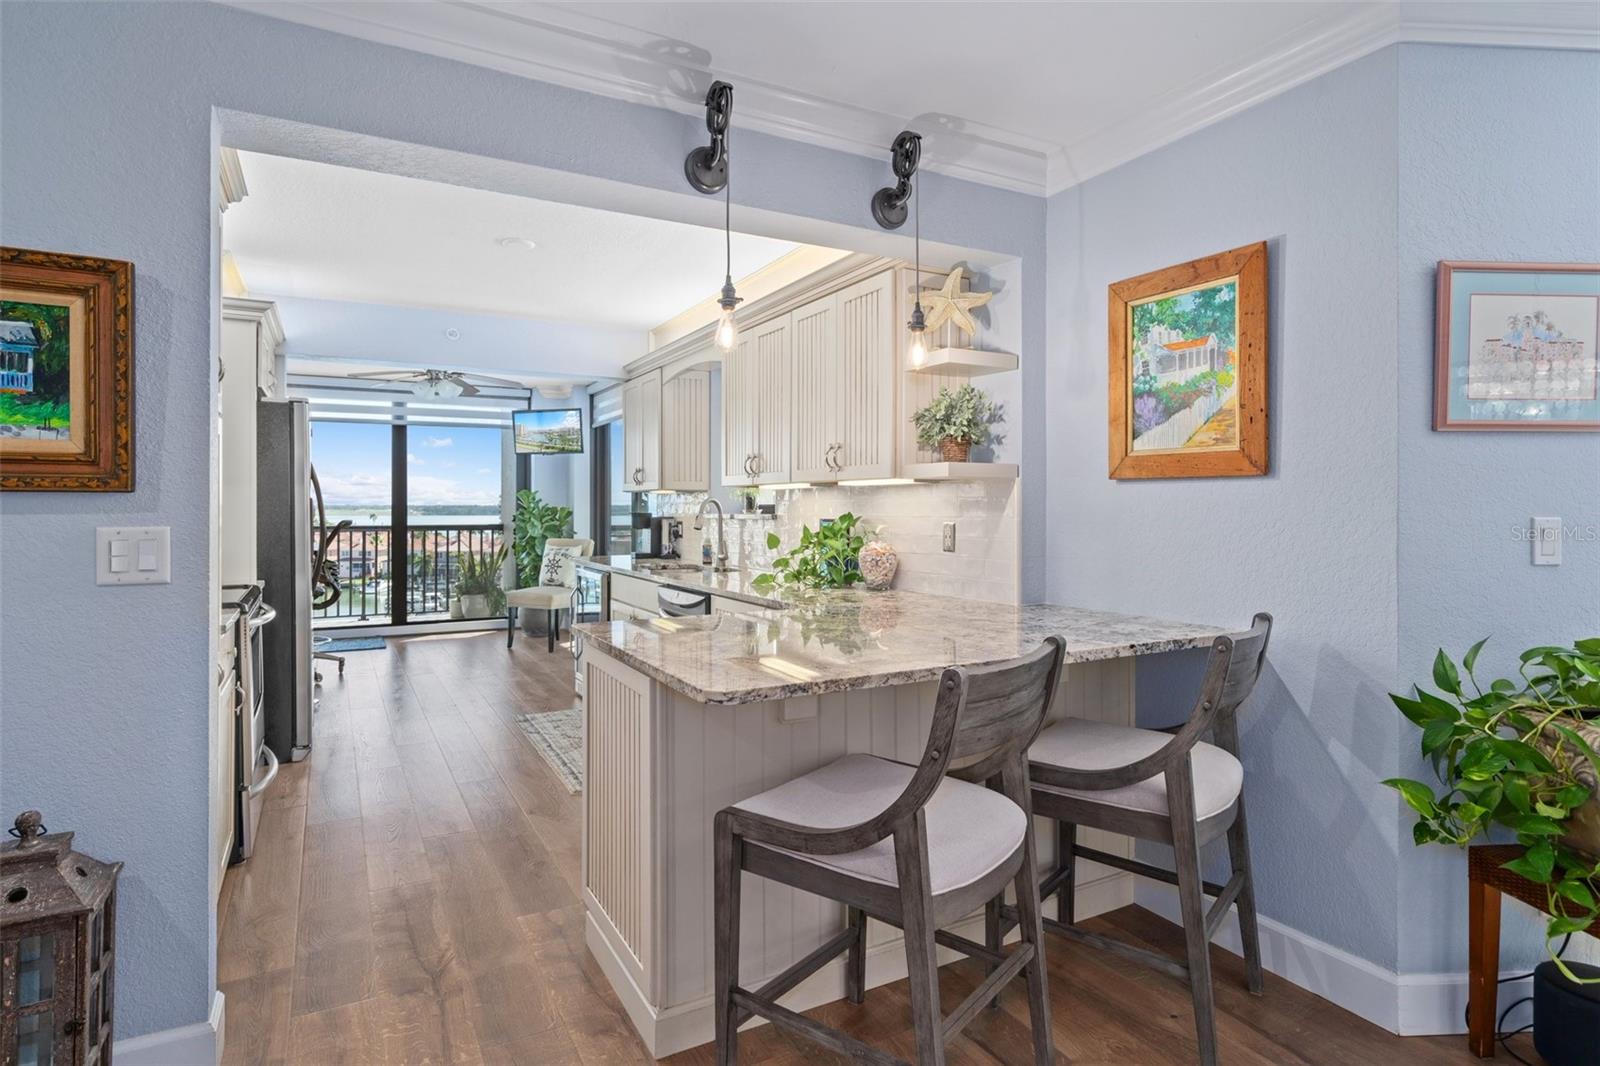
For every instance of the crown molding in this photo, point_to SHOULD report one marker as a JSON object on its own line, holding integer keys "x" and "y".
{"x": 1303, "y": 57}
{"x": 230, "y": 178}
{"x": 567, "y": 46}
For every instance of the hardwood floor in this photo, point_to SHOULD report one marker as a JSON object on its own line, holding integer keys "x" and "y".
{"x": 415, "y": 899}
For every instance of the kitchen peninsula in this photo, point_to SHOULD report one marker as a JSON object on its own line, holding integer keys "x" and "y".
{"x": 688, "y": 715}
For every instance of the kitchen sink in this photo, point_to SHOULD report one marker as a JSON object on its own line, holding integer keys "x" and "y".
{"x": 667, "y": 567}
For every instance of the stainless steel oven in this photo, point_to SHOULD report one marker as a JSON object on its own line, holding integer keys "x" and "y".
{"x": 255, "y": 764}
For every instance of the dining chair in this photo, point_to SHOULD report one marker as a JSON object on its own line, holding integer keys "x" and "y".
{"x": 916, "y": 847}
{"x": 1162, "y": 785}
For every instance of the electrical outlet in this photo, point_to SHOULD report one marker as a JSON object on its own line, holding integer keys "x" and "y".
{"x": 949, "y": 536}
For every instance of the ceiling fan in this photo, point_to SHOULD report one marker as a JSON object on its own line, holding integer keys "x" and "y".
{"x": 440, "y": 384}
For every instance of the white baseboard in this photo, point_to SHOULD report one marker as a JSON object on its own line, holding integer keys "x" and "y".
{"x": 1405, "y": 1004}
{"x": 667, "y": 1031}
{"x": 199, "y": 1044}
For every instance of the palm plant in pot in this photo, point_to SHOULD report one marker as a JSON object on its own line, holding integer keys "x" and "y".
{"x": 953, "y": 422}
{"x": 1519, "y": 756}
{"x": 478, "y": 583}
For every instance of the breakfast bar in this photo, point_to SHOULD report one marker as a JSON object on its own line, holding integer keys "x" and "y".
{"x": 685, "y": 716}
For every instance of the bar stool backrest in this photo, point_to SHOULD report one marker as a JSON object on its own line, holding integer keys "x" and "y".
{"x": 983, "y": 717}
{"x": 995, "y": 712}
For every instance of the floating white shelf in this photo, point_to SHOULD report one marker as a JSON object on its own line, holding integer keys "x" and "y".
{"x": 968, "y": 361}
{"x": 959, "y": 471}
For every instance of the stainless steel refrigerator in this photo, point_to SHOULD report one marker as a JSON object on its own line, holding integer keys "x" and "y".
{"x": 283, "y": 560}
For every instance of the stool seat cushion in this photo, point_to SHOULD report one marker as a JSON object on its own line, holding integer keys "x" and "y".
{"x": 971, "y": 830}
{"x": 548, "y": 597}
{"x": 1079, "y": 744}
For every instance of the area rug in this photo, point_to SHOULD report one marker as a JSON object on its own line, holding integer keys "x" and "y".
{"x": 339, "y": 645}
{"x": 558, "y": 736}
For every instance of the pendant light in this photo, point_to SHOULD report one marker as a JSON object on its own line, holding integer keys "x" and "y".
{"x": 889, "y": 209}
{"x": 727, "y": 328}
{"x": 707, "y": 171}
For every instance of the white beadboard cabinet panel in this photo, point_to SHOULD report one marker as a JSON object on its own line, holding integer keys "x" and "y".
{"x": 865, "y": 364}
{"x": 771, "y": 347}
{"x": 814, "y": 389}
{"x": 685, "y": 437}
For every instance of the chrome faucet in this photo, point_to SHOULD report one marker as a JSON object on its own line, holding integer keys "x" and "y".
{"x": 722, "y": 544}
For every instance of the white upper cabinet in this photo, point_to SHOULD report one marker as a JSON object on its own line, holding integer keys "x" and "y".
{"x": 815, "y": 390}
{"x": 756, "y": 405}
{"x": 685, "y": 437}
{"x": 666, "y": 432}
{"x": 865, "y": 361}
{"x": 843, "y": 385}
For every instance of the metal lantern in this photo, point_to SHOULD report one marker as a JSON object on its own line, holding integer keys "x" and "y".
{"x": 57, "y": 934}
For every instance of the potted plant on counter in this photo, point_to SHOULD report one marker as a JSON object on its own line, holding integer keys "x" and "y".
{"x": 824, "y": 559}
{"x": 1520, "y": 756}
{"x": 954, "y": 421}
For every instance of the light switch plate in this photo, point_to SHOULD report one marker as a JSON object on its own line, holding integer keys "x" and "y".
{"x": 133, "y": 555}
{"x": 949, "y": 536}
{"x": 1546, "y": 541}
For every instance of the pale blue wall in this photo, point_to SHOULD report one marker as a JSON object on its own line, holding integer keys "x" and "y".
{"x": 1499, "y": 160}
{"x": 1375, "y": 540}
{"x": 1313, "y": 173}
{"x": 106, "y": 115}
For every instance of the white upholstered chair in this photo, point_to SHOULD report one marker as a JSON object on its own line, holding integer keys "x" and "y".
{"x": 553, "y": 597}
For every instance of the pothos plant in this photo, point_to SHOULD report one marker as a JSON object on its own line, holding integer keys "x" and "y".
{"x": 824, "y": 559}
{"x": 1519, "y": 755}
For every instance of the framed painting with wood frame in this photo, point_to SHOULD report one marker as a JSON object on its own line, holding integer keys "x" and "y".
{"x": 1188, "y": 381}
{"x": 66, "y": 372}
{"x": 1515, "y": 347}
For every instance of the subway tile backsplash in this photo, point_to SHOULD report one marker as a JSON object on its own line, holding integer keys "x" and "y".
{"x": 984, "y": 565}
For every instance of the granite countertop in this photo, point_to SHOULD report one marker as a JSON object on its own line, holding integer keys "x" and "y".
{"x": 734, "y": 584}
{"x": 844, "y": 639}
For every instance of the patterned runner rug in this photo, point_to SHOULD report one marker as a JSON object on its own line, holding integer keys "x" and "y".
{"x": 558, "y": 737}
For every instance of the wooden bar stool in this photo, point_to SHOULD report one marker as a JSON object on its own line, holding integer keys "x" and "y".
{"x": 1167, "y": 786}
{"x": 908, "y": 846}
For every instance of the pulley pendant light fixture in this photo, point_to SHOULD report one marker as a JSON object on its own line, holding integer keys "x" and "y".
{"x": 707, "y": 171}
{"x": 889, "y": 208}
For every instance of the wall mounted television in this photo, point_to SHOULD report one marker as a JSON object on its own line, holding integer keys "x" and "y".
{"x": 548, "y": 432}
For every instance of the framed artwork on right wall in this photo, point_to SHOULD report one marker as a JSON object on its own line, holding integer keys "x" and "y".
{"x": 1515, "y": 347}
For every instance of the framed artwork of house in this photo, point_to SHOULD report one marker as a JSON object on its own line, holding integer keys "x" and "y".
{"x": 66, "y": 372}
{"x": 1188, "y": 369}
{"x": 1515, "y": 347}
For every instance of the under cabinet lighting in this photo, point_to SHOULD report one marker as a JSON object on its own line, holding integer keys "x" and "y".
{"x": 788, "y": 485}
{"x": 868, "y": 481}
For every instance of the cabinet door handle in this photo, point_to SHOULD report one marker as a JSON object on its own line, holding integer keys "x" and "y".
{"x": 747, "y": 471}
{"x": 759, "y": 465}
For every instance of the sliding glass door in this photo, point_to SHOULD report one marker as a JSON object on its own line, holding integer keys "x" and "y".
{"x": 424, "y": 507}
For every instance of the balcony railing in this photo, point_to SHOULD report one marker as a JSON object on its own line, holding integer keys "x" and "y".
{"x": 432, "y": 562}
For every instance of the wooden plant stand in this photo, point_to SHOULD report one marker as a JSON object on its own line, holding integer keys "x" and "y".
{"x": 1486, "y": 882}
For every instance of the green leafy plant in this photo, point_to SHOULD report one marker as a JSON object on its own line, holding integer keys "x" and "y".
{"x": 533, "y": 523}
{"x": 1515, "y": 755}
{"x": 479, "y": 573}
{"x": 824, "y": 559}
{"x": 962, "y": 415}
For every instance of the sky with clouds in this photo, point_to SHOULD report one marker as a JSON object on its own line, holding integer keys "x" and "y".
{"x": 445, "y": 464}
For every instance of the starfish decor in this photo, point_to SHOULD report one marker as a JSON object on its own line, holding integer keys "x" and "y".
{"x": 949, "y": 304}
